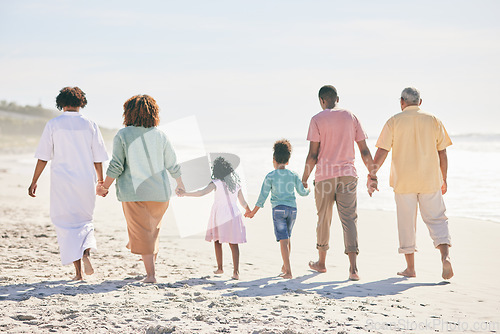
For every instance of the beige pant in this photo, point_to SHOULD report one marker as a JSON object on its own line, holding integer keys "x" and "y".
{"x": 343, "y": 191}
{"x": 432, "y": 210}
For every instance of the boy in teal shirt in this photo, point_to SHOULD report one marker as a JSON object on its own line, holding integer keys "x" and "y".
{"x": 282, "y": 184}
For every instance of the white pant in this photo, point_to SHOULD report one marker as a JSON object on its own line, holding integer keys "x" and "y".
{"x": 432, "y": 210}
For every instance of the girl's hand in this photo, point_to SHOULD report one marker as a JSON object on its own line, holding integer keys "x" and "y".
{"x": 32, "y": 190}
{"x": 180, "y": 192}
{"x": 250, "y": 214}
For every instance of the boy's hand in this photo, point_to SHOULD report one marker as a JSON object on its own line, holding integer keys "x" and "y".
{"x": 372, "y": 184}
{"x": 248, "y": 213}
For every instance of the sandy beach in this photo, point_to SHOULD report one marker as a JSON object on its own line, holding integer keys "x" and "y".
{"x": 36, "y": 295}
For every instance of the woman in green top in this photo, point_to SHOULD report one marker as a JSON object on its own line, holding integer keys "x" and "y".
{"x": 142, "y": 155}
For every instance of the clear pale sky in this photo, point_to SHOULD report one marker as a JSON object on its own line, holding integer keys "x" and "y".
{"x": 252, "y": 69}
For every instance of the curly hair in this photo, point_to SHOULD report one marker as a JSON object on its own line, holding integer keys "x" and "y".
{"x": 222, "y": 170}
{"x": 71, "y": 97}
{"x": 282, "y": 151}
{"x": 141, "y": 110}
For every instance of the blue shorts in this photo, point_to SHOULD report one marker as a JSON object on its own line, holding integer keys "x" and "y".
{"x": 283, "y": 218}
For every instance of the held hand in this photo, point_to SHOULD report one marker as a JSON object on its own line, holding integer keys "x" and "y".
{"x": 304, "y": 184}
{"x": 32, "y": 190}
{"x": 101, "y": 191}
{"x": 249, "y": 213}
{"x": 444, "y": 187}
{"x": 372, "y": 185}
{"x": 180, "y": 190}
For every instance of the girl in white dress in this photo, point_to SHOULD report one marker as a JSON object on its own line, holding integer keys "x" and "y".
{"x": 225, "y": 223}
{"x": 75, "y": 145}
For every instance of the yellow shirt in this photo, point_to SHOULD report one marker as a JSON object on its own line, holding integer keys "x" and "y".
{"x": 415, "y": 138}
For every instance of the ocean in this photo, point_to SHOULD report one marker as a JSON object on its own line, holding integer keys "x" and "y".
{"x": 473, "y": 173}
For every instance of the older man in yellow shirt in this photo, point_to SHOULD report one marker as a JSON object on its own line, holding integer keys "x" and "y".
{"x": 418, "y": 176}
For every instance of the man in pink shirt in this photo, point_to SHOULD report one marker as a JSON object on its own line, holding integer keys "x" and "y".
{"x": 332, "y": 134}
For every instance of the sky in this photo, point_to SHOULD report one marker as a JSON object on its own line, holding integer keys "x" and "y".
{"x": 252, "y": 69}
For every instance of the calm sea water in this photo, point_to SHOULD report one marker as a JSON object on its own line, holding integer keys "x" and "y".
{"x": 473, "y": 173}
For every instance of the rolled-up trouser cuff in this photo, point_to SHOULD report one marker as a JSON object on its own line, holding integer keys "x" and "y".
{"x": 442, "y": 241}
{"x": 323, "y": 247}
{"x": 407, "y": 250}
{"x": 351, "y": 250}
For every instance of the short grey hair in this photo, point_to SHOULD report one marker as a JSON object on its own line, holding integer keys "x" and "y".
{"x": 411, "y": 95}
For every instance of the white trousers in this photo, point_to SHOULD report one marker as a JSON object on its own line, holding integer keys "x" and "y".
{"x": 432, "y": 210}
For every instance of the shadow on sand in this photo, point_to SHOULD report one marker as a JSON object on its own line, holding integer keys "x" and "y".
{"x": 268, "y": 286}
{"x": 275, "y": 286}
{"x": 18, "y": 292}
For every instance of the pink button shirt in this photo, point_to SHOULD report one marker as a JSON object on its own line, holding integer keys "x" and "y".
{"x": 336, "y": 130}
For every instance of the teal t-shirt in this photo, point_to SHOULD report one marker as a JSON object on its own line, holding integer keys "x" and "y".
{"x": 282, "y": 184}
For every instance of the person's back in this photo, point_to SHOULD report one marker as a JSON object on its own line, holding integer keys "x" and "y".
{"x": 416, "y": 137}
{"x": 73, "y": 138}
{"x": 332, "y": 134}
{"x": 147, "y": 155}
{"x": 418, "y": 175}
{"x": 282, "y": 184}
{"x": 336, "y": 130}
{"x": 75, "y": 146}
{"x": 226, "y": 201}
{"x": 141, "y": 156}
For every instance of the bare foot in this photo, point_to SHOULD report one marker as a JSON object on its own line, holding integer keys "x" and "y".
{"x": 315, "y": 266}
{"x": 236, "y": 276}
{"x": 447, "y": 269}
{"x": 287, "y": 276}
{"x": 353, "y": 277}
{"x": 87, "y": 266}
{"x": 148, "y": 279}
{"x": 77, "y": 278}
{"x": 407, "y": 273}
{"x": 218, "y": 272}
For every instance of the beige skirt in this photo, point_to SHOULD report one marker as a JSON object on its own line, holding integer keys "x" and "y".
{"x": 143, "y": 225}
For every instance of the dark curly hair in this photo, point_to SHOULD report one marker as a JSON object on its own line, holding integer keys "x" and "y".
{"x": 71, "y": 97}
{"x": 222, "y": 170}
{"x": 141, "y": 110}
{"x": 282, "y": 151}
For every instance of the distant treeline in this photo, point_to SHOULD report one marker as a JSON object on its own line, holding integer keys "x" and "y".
{"x": 37, "y": 111}
{"x": 22, "y": 126}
